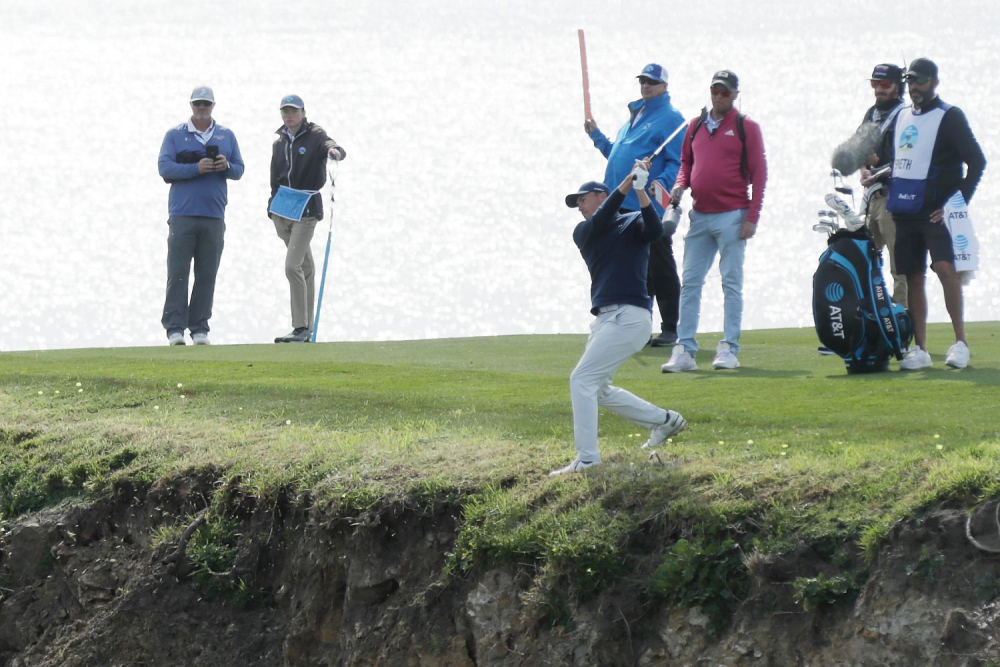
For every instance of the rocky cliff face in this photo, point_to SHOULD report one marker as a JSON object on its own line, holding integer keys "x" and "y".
{"x": 88, "y": 585}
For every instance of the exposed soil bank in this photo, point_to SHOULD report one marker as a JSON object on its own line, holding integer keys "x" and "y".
{"x": 83, "y": 585}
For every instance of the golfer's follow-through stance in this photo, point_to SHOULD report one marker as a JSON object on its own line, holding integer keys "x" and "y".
{"x": 615, "y": 247}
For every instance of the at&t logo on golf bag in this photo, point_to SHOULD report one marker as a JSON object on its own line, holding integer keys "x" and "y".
{"x": 853, "y": 314}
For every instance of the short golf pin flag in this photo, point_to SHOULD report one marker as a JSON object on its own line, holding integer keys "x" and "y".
{"x": 660, "y": 194}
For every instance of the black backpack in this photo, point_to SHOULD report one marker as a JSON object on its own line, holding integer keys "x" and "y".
{"x": 852, "y": 310}
{"x": 744, "y": 165}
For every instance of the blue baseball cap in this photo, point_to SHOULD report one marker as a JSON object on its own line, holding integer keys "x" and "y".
{"x": 654, "y": 72}
{"x": 292, "y": 101}
{"x": 203, "y": 94}
{"x": 589, "y": 186}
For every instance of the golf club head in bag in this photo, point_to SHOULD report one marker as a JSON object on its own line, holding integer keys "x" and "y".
{"x": 845, "y": 212}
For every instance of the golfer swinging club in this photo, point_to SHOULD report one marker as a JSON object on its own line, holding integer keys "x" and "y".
{"x": 615, "y": 247}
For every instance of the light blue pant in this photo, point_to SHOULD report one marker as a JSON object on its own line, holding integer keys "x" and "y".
{"x": 708, "y": 233}
{"x": 614, "y": 337}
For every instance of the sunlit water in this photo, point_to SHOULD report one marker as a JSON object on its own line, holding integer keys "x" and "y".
{"x": 463, "y": 124}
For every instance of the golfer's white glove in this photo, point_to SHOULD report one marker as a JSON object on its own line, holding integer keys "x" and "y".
{"x": 641, "y": 178}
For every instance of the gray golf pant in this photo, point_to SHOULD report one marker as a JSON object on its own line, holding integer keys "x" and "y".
{"x": 201, "y": 240}
{"x": 615, "y": 336}
{"x": 299, "y": 267}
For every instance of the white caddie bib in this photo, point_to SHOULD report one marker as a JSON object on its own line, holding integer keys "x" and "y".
{"x": 914, "y": 139}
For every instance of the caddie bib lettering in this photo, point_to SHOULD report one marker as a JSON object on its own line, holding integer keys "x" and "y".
{"x": 914, "y": 138}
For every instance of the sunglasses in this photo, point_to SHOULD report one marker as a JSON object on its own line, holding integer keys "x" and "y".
{"x": 644, "y": 81}
{"x": 884, "y": 85}
{"x": 203, "y": 103}
{"x": 919, "y": 80}
{"x": 722, "y": 91}
{"x": 290, "y": 110}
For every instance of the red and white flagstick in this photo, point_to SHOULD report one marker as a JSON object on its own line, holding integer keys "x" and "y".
{"x": 586, "y": 79}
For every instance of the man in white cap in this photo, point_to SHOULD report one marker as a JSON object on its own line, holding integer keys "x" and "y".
{"x": 197, "y": 159}
{"x": 615, "y": 247}
{"x": 298, "y": 161}
{"x": 652, "y": 119}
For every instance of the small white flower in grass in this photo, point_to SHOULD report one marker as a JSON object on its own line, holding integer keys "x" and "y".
{"x": 940, "y": 447}
{"x": 57, "y": 391}
{"x": 183, "y": 396}
{"x": 937, "y": 435}
{"x": 241, "y": 409}
{"x": 79, "y": 391}
{"x": 784, "y": 453}
{"x": 288, "y": 422}
{"x": 40, "y": 392}
{"x": 749, "y": 442}
{"x": 179, "y": 385}
{"x": 669, "y": 440}
{"x": 156, "y": 407}
{"x": 722, "y": 442}
{"x": 784, "y": 446}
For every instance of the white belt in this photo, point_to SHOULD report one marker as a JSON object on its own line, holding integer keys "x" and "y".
{"x": 607, "y": 309}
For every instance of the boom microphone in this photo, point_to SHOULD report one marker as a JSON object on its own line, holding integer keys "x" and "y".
{"x": 853, "y": 154}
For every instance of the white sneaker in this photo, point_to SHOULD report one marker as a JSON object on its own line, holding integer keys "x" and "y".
{"x": 200, "y": 339}
{"x": 724, "y": 357}
{"x": 674, "y": 425}
{"x": 915, "y": 359}
{"x": 576, "y": 466}
{"x": 680, "y": 361}
{"x": 958, "y": 355}
{"x": 176, "y": 338}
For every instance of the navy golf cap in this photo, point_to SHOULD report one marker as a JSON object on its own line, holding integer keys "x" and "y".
{"x": 292, "y": 101}
{"x": 923, "y": 67}
{"x": 887, "y": 72}
{"x": 654, "y": 72}
{"x": 589, "y": 186}
{"x": 727, "y": 78}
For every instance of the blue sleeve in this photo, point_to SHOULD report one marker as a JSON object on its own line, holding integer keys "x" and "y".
{"x": 601, "y": 142}
{"x": 170, "y": 169}
{"x": 652, "y": 226}
{"x": 668, "y": 163}
{"x": 235, "y": 159}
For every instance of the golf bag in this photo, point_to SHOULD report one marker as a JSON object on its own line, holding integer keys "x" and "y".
{"x": 852, "y": 310}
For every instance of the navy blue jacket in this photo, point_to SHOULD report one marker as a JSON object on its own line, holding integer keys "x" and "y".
{"x": 615, "y": 247}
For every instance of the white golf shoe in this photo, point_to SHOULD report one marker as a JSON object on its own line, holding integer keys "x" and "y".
{"x": 724, "y": 357}
{"x": 958, "y": 355}
{"x": 176, "y": 338}
{"x": 576, "y": 466}
{"x": 915, "y": 359}
{"x": 680, "y": 361}
{"x": 200, "y": 339}
{"x": 674, "y": 425}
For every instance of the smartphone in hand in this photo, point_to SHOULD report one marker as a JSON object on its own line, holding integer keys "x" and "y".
{"x": 211, "y": 152}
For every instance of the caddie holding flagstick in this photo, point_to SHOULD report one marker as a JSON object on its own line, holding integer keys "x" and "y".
{"x": 652, "y": 120}
{"x": 298, "y": 161}
{"x": 615, "y": 246}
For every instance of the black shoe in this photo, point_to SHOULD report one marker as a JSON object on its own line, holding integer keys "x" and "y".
{"x": 298, "y": 335}
{"x": 665, "y": 339}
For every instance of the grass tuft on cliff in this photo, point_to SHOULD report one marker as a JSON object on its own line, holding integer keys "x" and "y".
{"x": 788, "y": 448}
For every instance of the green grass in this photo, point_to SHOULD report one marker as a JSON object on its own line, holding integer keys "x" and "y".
{"x": 788, "y": 448}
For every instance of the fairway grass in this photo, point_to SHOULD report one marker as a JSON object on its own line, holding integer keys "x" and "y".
{"x": 787, "y": 449}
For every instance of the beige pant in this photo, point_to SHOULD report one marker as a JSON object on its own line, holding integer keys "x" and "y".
{"x": 883, "y": 230}
{"x": 299, "y": 267}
